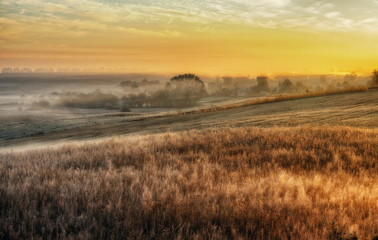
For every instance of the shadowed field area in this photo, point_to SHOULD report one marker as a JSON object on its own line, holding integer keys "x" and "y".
{"x": 345, "y": 109}
{"x": 274, "y": 183}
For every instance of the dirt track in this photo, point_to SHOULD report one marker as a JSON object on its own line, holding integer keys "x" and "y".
{"x": 350, "y": 109}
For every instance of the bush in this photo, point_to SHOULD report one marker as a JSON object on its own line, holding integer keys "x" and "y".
{"x": 96, "y": 99}
{"x": 40, "y": 104}
{"x": 301, "y": 87}
{"x": 135, "y": 84}
{"x": 286, "y": 86}
{"x": 134, "y": 100}
{"x": 125, "y": 108}
{"x": 226, "y": 92}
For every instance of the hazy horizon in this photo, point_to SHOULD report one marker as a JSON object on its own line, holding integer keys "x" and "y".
{"x": 26, "y": 71}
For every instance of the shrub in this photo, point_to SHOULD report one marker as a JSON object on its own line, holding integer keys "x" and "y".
{"x": 96, "y": 99}
{"x": 125, "y": 108}
{"x": 286, "y": 86}
{"x": 40, "y": 104}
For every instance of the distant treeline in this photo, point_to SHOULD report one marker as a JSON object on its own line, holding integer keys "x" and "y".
{"x": 181, "y": 91}
{"x": 186, "y": 90}
{"x": 263, "y": 85}
{"x": 96, "y": 99}
{"x": 135, "y": 84}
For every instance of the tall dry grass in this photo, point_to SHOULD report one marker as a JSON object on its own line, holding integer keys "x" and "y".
{"x": 279, "y": 183}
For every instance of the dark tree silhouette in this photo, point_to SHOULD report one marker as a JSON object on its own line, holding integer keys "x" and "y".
{"x": 286, "y": 86}
{"x": 181, "y": 91}
{"x": 186, "y": 89}
{"x": 187, "y": 77}
{"x": 262, "y": 83}
{"x": 374, "y": 78}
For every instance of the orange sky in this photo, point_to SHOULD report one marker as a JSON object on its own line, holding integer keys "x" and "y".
{"x": 210, "y": 37}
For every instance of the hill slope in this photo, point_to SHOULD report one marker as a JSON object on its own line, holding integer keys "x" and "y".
{"x": 348, "y": 109}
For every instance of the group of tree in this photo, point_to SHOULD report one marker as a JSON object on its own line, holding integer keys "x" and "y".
{"x": 181, "y": 91}
{"x": 96, "y": 99}
{"x": 128, "y": 83}
{"x": 135, "y": 84}
{"x": 286, "y": 86}
{"x": 261, "y": 86}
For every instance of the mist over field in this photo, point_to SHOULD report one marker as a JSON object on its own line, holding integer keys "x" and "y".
{"x": 35, "y": 103}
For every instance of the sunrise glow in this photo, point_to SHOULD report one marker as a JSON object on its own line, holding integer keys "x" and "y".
{"x": 206, "y": 37}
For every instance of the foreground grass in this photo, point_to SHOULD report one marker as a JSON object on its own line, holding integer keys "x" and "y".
{"x": 279, "y": 183}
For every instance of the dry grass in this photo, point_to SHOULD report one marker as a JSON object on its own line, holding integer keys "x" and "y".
{"x": 278, "y": 183}
{"x": 284, "y": 97}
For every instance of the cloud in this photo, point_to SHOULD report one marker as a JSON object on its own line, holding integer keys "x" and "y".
{"x": 166, "y": 18}
{"x": 332, "y": 14}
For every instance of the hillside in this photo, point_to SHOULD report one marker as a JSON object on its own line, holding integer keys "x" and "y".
{"x": 297, "y": 169}
{"x": 348, "y": 109}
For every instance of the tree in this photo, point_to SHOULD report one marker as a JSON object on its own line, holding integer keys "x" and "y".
{"x": 374, "y": 78}
{"x": 262, "y": 83}
{"x": 286, "y": 86}
{"x": 186, "y": 89}
{"x": 228, "y": 80}
{"x": 187, "y": 76}
{"x": 301, "y": 87}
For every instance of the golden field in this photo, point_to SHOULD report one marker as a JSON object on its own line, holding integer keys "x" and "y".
{"x": 224, "y": 183}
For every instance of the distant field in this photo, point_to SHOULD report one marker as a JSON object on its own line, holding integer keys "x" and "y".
{"x": 252, "y": 183}
{"x": 347, "y": 109}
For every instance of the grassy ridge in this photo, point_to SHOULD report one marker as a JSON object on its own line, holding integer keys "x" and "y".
{"x": 284, "y": 97}
{"x": 278, "y": 183}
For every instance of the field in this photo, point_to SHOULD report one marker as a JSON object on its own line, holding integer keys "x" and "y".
{"x": 347, "y": 109}
{"x": 292, "y": 168}
{"x": 274, "y": 183}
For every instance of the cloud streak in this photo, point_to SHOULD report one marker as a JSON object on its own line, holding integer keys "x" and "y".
{"x": 163, "y": 15}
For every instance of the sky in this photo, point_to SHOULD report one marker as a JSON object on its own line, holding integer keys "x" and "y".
{"x": 215, "y": 37}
